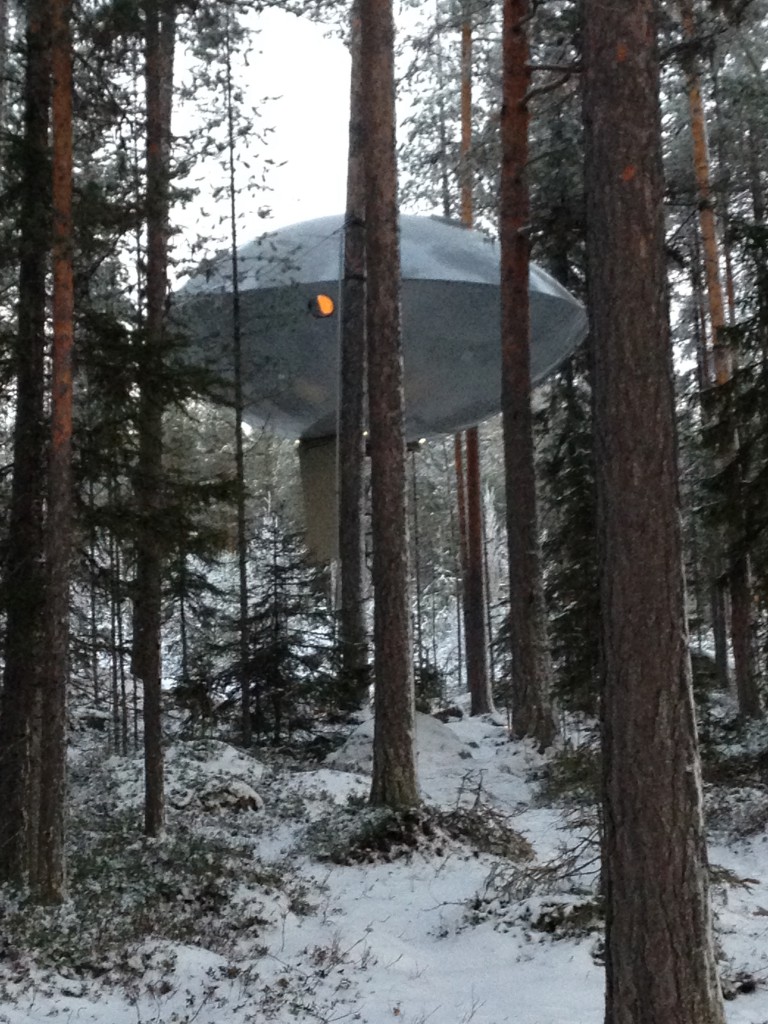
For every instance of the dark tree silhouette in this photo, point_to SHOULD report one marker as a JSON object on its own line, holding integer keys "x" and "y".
{"x": 23, "y": 582}
{"x": 351, "y": 441}
{"x": 160, "y": 35}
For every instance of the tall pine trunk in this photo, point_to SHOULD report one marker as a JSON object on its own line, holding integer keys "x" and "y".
{"x": 473, "y": 591}
{"x": 394, "y": 764}
{"x": 23, "y": 583}
{"x": 59, "y": 517}
{"x": 353, "y": 633}
{"x": 660, "y": 963}
{"x": 160, "y": 35}
{"x": 532, "y": 713}
{"x": 475, "y": 617}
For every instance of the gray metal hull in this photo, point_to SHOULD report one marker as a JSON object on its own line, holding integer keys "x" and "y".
{"x": 450, "y": 325}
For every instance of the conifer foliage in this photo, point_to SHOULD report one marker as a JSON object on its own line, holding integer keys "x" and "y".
{"x": 569, "y": 520}
{"x": 290, "y": 635}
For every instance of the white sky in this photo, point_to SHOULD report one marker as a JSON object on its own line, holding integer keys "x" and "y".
{"x": 310, "y": 74}
{"x": 298, "y": 80}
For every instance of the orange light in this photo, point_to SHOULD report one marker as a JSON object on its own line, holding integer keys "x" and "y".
{"x": 322, "y": 306}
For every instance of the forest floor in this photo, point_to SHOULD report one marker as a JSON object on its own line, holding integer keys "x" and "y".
{"x": 277, "y": 895}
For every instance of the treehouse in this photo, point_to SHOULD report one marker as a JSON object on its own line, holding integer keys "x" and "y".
{"x": 289, "y": 284}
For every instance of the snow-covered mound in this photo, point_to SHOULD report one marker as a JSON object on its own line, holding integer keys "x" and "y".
{"x": 432, "y": 738}
{"x": 243, "y": 917}
{"x": 207, "y": 774}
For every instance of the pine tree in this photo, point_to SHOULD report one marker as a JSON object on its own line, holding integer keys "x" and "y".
{"x": 660, "y": 962}
{"x": 23, "y": 577}
{"x": 531, "y": 667}
{"x": 352, "y": 392}
{"x": 290, "y": 633}
{"x": 394, "y": 769}
{"x": 569, "y": 518}
{"x": 160, "y": 38}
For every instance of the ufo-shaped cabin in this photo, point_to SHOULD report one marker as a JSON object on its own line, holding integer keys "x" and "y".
{"x": 450, "y": 324}
{"x": 450, "y": 333}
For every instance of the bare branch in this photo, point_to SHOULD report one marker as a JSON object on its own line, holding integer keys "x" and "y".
{"x": 540, "y": 90}
{"x": 565, "y": 69}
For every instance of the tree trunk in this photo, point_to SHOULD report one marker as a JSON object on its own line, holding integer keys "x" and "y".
{"x": 738, "y": 576}
{"x": 351, "y": 438}
{"x": 416, "y": 560}
{"x": 442, "y": 123}
{"x": 160, "y": 36}
{"x": 246, "y": 730}
{"x": 531, "y": 665}
{"x": 394, "y": 764}
{"x": 717, "y": 589}
{"x": 465, "y": 165}
{"x": 707, "y": 223}
{"x": 660, "y": 963}
{"x": 58, "y": 529}
{"x": 747, "y": 689}
{"x": 461, "y": 510}
{"x": 24, "y": 588}
{"x": 481, "y": 699}
{"x": 475, "y": 638}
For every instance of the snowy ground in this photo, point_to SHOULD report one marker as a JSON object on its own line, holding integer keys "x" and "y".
{"x": 269, "y": 901}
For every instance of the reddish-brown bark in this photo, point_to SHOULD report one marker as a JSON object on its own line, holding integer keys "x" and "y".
{"x": 738, "y": 573}
{"x": 531, "y": 667}
{"x": 394, "y": 766}
{"x": 469, "y": 478}
{"x": 660, "y": 963}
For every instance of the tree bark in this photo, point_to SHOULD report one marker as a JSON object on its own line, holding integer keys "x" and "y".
{"x": 660, "y": 963}
{"x": 51, "y": 880}
{"x": 532, "y": 713}
{"x": 351, "y": 438}
{"x": 481, "y": 699}
{"x": 24, "y": 585}
{"x": 717, "y": 588}
{"x": 394, "y": 764}
{"x": 160, "y": 36}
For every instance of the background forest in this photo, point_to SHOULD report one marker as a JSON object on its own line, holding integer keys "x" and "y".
{"x": 156, "y": 587}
